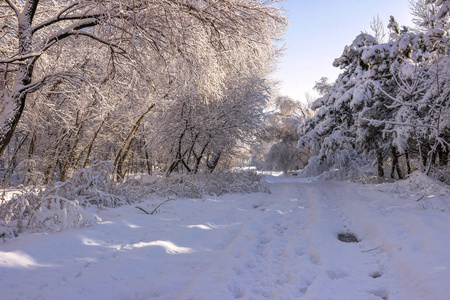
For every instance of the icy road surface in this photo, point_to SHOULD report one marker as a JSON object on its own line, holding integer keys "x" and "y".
{"x": 281, "y": 245}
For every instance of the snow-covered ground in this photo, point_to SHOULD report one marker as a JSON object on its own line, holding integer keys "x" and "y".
{"x": 281, "y": 245}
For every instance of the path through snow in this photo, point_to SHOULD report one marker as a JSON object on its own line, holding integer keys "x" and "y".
{"x": 281, "y": 245}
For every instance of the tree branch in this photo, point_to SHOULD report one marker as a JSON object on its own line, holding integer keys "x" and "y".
{"x": 13, "y": 7}
{"x": 45, "y": 80}
{"x": 74, "y": 29}
{"x": 377, "y": 85}
{"x": 381, "y": 122}
{"x": 65, "y": 18}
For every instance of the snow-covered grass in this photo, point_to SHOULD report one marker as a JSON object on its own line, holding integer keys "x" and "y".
{"x": 281, "y": 245}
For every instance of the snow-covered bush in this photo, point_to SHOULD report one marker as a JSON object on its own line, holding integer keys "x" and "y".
{"x": 420, "y": 191}
{"x": 418, "y": 184}
{"x": 98, "y": 185}
{"x": 63, "y": 205}
{"x": 442, "y": 173}
{"x": 233, "y": 182}
{"x": 41, "y": 210}
{"x": 345, "y": 165}
{"x": 198, "y": 185}
{"x": 314, "y": 168}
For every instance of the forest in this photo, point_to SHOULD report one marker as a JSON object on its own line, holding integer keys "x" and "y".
{"x": 148, "y": 85}
{"x": 147, "y": 152}
{"x": 107, "y": 91}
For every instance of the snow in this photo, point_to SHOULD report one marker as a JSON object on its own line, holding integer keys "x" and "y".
{"x": 281, "y": 245}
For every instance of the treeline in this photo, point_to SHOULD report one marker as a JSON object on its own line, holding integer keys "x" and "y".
{"x": 148, "y": 85}
{"x": 390, "y": 107}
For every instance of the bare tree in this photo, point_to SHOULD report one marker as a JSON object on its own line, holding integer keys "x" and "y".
{"x": 377, "y": 27}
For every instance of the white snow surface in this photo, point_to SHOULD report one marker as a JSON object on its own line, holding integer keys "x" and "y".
{"x": 281, "y": 245}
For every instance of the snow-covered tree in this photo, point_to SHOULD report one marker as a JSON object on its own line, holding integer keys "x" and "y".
{"x": 281, "y": 127}
{"x": 391, "y": 101}
{"x": 83, "y": 76}
{"x": 200, "y": 33}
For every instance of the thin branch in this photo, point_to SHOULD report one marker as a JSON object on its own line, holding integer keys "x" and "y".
{"x": 153, "y": 211}
{"x": 45, "y": 80}
{"x": 140, "y": 208}
{"x": 94, "y": 37}
{"x": 377, "y": 85}
{"x": 66, "y": 18}
{"x": 372, "y": 249}
{"x": 423, "y": 196}
{"x": 13, "y": 7}
{"x": 17, "y": 58}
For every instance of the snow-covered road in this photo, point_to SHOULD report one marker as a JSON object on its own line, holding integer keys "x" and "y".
{"x": 281, "y": 245}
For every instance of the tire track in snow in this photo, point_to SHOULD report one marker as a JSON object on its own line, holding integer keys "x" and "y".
{"x": 265, "y": 258}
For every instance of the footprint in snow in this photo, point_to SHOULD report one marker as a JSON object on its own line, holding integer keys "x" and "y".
{"x": 376, "y": 274}
{"x": 304, "y": 288}
{"x": 315, "y": 259}
{"x": 333, "y": 275}
{"x": 299, "y": 251}
{"x": 383, "y": 294}
{"x": 236, "y": 291}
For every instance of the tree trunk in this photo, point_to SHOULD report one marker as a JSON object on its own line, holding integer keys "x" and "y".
{"x": 91, "y": 143}
{"x": 71, "y": 155}
{"x": 13, "y": 105}
{"x": 10, "y": 118}
{"x": 30, "y": 155}
{"x": 380, "y": 162}
{"x": 148, "y": 163}
{"x": 408, "y": 163}
{"x": 12, "y": 164}
{"x": 128, "y": 142}
{"x": 198, "y": 159}
{"x": 424, "y": 153}
{"x": 395, "y": 165}
{"x": 443, "y": 156}
{"x": 213, "y": 162}
{"x": 53, "y": 156}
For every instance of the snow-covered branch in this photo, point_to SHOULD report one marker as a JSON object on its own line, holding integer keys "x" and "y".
{"x": 36, "y": 85}
{"x": 378, "y": 86}
{"x": 383, "y": 122}
{"x": 71, "y": 17}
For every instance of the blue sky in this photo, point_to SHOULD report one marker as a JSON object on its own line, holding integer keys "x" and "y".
{"x": 318, "y": 33}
